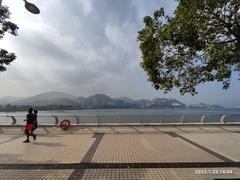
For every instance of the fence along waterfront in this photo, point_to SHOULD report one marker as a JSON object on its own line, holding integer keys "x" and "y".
{"x": 137, "y": 119}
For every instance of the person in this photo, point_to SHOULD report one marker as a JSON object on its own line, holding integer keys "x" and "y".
{"x": 34, "y": 125}
{"x": 29, "y": 124}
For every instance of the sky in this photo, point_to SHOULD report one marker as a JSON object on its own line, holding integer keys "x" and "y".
{"x": 84, "y": 47}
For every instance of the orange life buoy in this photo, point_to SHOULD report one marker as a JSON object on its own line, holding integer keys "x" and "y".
{"x": 65, "y": 124}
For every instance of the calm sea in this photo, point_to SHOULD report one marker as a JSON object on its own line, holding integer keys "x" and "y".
{"x": 127, "y": 115}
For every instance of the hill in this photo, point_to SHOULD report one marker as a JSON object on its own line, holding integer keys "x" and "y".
{"x": 48, "y": 98}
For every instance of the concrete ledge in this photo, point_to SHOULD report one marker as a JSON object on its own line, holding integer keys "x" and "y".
{"x": 134, "y": 124}
{"x": 130, "y": 128}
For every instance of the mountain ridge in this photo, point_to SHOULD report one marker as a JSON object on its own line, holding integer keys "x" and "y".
{"x": 94, "y": 101}
{"x": 47, "y": 98}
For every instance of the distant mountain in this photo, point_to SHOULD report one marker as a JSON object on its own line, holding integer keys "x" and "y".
{"x": 126, "y": 100}
{"x": 159, "y": 103}
{"x": 176, "y": 103}
{"x": 8, "y": 100}
{"x": 144, "y": 103}
{"x": 63, "y": 100}
{"x": 104, "y": 101}
{"x": 81, "y": 100}
{"x": 48, "y": 98}
{"x": 99, "y": 100}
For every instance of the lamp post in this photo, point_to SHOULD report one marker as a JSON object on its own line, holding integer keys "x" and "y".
{"x": 30, "y": 7}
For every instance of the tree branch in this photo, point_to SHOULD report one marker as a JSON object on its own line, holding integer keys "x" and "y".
{"x": 225, "y": 42}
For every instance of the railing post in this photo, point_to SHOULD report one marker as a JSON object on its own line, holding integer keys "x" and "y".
{"x": 56, "y": 119}
{"x": 141, "y": 119}
{"x": 98, "y": 120}
{"x": 202, "y": 119}
{"x": 181, "y": 119}
{"x": 77, "y": 119}
{"x": 119, "y": 119}
{"x": 14, "y": 121}
{"x": 222, "y": 119}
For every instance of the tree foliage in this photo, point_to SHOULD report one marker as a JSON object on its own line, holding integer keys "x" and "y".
{"x": 198, "y": 44}
{"x": 6, "y": 26}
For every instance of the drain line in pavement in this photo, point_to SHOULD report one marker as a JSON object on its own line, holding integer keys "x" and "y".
{"x": 215, "y": 154}
{"x": 78, "y": 173}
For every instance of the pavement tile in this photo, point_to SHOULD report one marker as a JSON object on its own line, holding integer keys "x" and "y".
{"x": 227, "y": 144}
{"x": 126, "y": 148}
{"x": 68, "y": 148}
{"x": 126, "y": 144}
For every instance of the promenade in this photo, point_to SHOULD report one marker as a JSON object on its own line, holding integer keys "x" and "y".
{"x": 122, "y": 152}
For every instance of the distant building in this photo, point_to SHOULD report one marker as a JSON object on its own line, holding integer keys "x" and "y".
{"x": 176, "y": 105}
{"x": 202, "y": 105}
{"x": 144, "y": 103}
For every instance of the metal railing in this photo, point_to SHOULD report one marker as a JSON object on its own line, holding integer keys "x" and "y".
{"x": 127, "y": 119}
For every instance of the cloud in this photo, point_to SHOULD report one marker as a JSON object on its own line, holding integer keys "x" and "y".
{"x": 81, "y": 47}
{"x": 119, "y": 36}
{"x": 86, "y": 6}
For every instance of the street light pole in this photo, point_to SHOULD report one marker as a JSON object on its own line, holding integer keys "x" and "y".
{"x": 32, "y": 8}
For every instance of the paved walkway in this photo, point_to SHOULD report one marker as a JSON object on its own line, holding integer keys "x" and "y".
{"x": 114, "y": 152}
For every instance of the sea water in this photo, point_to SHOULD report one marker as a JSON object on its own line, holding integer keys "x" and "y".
{"x": 186, "y": 115}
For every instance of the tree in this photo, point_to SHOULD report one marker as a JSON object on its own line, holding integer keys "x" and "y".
{"x": 199, "y": 43}
{"x": 6, "y": 26}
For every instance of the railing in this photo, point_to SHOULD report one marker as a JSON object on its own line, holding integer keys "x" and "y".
{"x": 127, "y": 119}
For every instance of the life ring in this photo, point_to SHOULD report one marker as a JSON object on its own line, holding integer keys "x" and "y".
{"x": 65, "y": 124}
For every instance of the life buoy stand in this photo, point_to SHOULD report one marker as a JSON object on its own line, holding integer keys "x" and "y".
{"x": 65, "y": 124}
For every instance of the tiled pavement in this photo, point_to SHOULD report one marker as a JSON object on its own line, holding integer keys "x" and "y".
{"x": 154, "y": 152}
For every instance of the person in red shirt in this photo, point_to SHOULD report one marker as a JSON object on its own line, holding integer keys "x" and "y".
{"x": 29, "y": 125}
{"x": 34, "y": 125}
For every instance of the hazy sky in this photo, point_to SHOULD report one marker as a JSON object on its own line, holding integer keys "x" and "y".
{"x": 84, "y": 47}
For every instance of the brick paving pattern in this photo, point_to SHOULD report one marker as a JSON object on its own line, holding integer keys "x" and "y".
{"x": 155, "y": 152}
